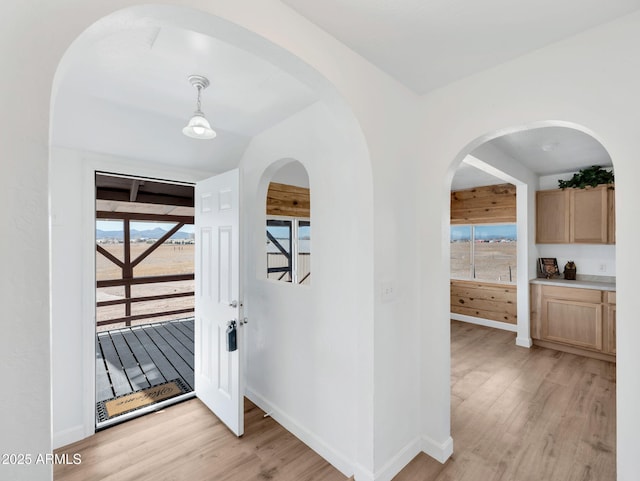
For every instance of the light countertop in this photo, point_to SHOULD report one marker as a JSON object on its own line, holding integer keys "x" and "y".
{"x": 604, "y": 284}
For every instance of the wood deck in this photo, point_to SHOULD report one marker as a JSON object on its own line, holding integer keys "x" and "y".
{"x": 139, "y": 357}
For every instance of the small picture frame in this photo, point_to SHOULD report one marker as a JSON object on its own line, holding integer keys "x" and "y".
{"x": 548, "y": 267}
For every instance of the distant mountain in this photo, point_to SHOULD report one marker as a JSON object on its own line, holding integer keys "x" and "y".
{"x": 140, "y": 234}
{"x": 484, "y": 232}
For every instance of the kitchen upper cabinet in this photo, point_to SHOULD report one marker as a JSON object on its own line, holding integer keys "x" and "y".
{"x": 581, "y": 216}
{"x": 588, "y": 215}
{"x": 552, "y": 217}
{"x": 612, "y": 216}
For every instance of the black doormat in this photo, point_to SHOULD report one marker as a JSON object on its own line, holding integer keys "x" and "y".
{"x": 127, "y": 403}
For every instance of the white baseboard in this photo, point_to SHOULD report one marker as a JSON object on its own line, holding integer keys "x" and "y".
{"x": 68, "y": 436}
{"x": 399, "y": 461}
{"x": 438, "y": 451}
{"x": 332, "y": 456}
{"x": 484, "y": 322}
{"x": 524, "y": 342}
{"x": 362, "y": 474}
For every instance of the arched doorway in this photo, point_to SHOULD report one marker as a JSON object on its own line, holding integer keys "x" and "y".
{"x": 321, "y": 107}
{"x": 534, "y": 153}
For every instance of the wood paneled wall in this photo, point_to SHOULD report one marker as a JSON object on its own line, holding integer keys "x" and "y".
{"x": 484, "y": 205}
{"x": 497, "y": 302}
{"x": 288, "y": 200}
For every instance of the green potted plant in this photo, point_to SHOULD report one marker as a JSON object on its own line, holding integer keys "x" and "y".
{"x": 591, "y": 176}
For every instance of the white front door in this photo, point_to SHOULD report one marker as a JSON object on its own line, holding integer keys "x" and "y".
{"x": 218, "y": 375}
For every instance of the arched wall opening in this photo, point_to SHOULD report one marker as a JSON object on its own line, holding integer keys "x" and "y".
{"x": 327, "y": 419}
{"x": 288, "y": 226}
{"x": 509, "y": 168}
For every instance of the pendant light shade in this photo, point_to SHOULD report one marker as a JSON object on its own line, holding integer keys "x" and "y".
{"x": 198, "y": 126}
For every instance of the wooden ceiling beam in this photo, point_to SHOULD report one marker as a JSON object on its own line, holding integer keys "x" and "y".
{"x": 133, "y": 193}
{"x": 103, "y": 193}
{"x": 141, "y": 216}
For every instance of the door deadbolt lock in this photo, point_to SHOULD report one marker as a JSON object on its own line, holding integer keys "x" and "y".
{"x": 232, "y": 336}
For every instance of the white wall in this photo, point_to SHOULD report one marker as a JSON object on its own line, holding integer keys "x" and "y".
{"x": 67, "y": 293}
{"x": 590, "y": 80}
{"x": 25, "y": 354}
{"x": 318, "y": 379}
{"x": 293, "y": 173}
{"x": 303, "y": 342}
{"x": 591, "y": 260}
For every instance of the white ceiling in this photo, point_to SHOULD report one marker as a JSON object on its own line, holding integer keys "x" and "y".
{"x": 130, "y": 96}
{"x": 426, "y": 44}
{"x": 544, "y": 151}
{"x": 468, "y": 177}
{"x": 553, "y": 150}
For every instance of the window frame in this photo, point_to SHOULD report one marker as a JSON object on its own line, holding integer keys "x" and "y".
{"x": 472, "y": 252}
{"x": 294, "y": 246}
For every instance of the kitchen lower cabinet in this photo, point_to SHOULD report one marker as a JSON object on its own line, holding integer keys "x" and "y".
{"x": 610, "y": 324}
{"x": 576, "y": 320}
{"x": 572, "y": 322}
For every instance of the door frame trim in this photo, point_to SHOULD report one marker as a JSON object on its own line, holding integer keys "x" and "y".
{"x": 88, "y": 299}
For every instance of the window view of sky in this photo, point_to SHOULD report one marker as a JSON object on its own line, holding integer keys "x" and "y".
{"x": 484, "y": 232}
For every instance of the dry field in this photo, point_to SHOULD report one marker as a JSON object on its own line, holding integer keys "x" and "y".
{"x": 492, "y": 260}
{"x": 167, "y": 259}
{"x": 492, "y": 264}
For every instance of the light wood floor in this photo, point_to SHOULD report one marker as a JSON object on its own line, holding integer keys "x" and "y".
{"x": 517, "y": 415}
{"x": 524, "y": 414}
{"x": 185, "y": 442}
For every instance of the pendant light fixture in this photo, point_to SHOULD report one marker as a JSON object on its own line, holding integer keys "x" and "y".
{"x": 198, "y": 127}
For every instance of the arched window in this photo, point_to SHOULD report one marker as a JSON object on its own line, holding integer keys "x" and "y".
{"x": 288, "y": 226}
